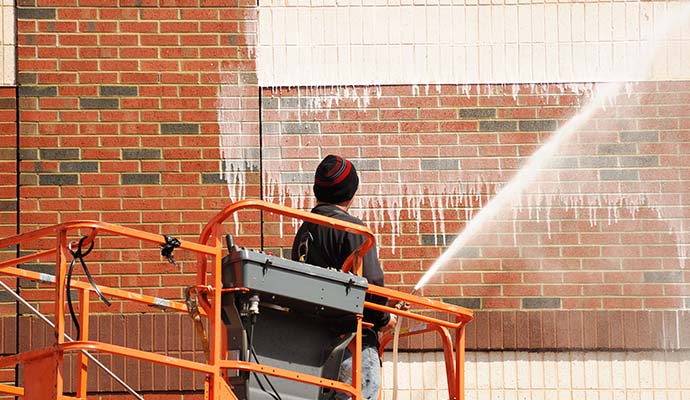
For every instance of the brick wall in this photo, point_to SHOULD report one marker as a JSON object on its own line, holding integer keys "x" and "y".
{"x": 118, "y": 122}
{"x": 146, "y": 114}
{"x": 591, "y": 255}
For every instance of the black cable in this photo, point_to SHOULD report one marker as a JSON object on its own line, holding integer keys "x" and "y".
{"x": 252, "y": 352}
{"x": 275, "y": 393}
{"x": 79, "y": 254}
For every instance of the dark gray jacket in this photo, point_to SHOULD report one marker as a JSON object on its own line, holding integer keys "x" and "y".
{"x": 330, "y": 247}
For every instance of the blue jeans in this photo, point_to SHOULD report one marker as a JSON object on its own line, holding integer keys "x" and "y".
{"x": 371, "y": 374}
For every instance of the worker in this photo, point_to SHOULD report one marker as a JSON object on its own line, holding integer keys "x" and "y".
{"x": 335, "y": 185}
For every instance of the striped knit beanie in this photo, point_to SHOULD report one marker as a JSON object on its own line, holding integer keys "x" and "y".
{"x": 335, "y": 180}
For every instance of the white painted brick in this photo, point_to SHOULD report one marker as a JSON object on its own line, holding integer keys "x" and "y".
{"x": 685, "y": 34}
{"x": 604, "y": 377}
{"x": 525, "y": 63}
{"x": 536, "y": 368}
{"x": 510, "y": 371}
{"x": 591, "y": 371}
{"x": 563, "y": 370}
{"x": 499, "y": 62}
{"x": 660, "y": 65}
{"x": 458, "y": 21}
{"x": 496, "y": 370}
{"x": 605, "y": 395}
{"x": 591, "y": 395}
{"x": 7, "y": 26}
{"x": 420, "y": 32}
{"x": 673, "y": 376}
{"x": 441, "y": 378}
{"x": 429, "y": 366}
{"x": 498, "y": 23}
{"x": 523, "y": 370}
{"x": 471, "y": 370}
{"x": 484, "y": 18}
{"x": 564, "y": 24}
{"x": 659, "y": 370}
{"x": 511, "y": 67}
{"x": 510, "y": 395}
{"x": 446, "y": 27}
{"x": 368, "y": 28}
{"x": 472, "y": 23}
{"x": 550, "y": 371}
{"x": 605, "y": 24}
{"x": 577, "y": 368}
{"x": 605, "y": 61}
{"x": 523, "y": 394}
{"x": 676, "y": 9}
{"x": 472, "y": 62}
{"x": 483, "y": 371}
{"x": 578, "y": 394}
{"x": 632, "y": 371}
{"x": 416, "y": 371}
{"x": 265, "y": 31}
{"x": 591, "y": 22}
{"x": 289, "y": 15}
{"x": 632, "y": 21}
{"x": 618, "y": 21}
{"x": 485, "y": 63}
{"x": 633, "y": 395}
{"x": 3, "y": 69}
{"x": 646, "y": 21}
{"x": 305, "y": 53}
{"x": 675, "y": 68}
{"x": 525, "y": 24}
{"x": 278, "y": 24}
{"x": 432, "y": 18}
{"x": 407, "y": 67}
{"x": 565, "y": 61}
{"x": 578, "y": 22}
{"x": 407, "y": 25}
{"x": 330, "y": 28}
{"x": 618, "y": 371}
{"x": 551, "y": 55}
{"x": 564, "y": 394}
{"x": 318, "y": 55}
{"x": 659, "y": 18}
{"x": 579, "y": 58}
{"x": 511, "y": 24}
{"x": 684, "y": 371}
{"x": 646, "y": 374}
{"x": 484, "y": 394}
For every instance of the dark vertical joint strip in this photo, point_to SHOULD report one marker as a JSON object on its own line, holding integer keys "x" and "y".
{"x": 17, "y": 228}
{"x": 261, "y": 154}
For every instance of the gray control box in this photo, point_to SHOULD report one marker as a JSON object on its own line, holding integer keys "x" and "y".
{"x": 293, "y": 284}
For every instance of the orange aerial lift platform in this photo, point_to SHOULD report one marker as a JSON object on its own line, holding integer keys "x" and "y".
{"x": 263, "y": 320}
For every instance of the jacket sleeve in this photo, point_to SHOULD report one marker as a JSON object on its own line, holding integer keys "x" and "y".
{"x": 371, "y": 269}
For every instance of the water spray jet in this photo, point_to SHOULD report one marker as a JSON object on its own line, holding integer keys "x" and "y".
{"x": 527, "y": 174}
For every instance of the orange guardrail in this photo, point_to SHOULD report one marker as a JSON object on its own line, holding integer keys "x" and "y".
{"x": 48, "y": 362}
